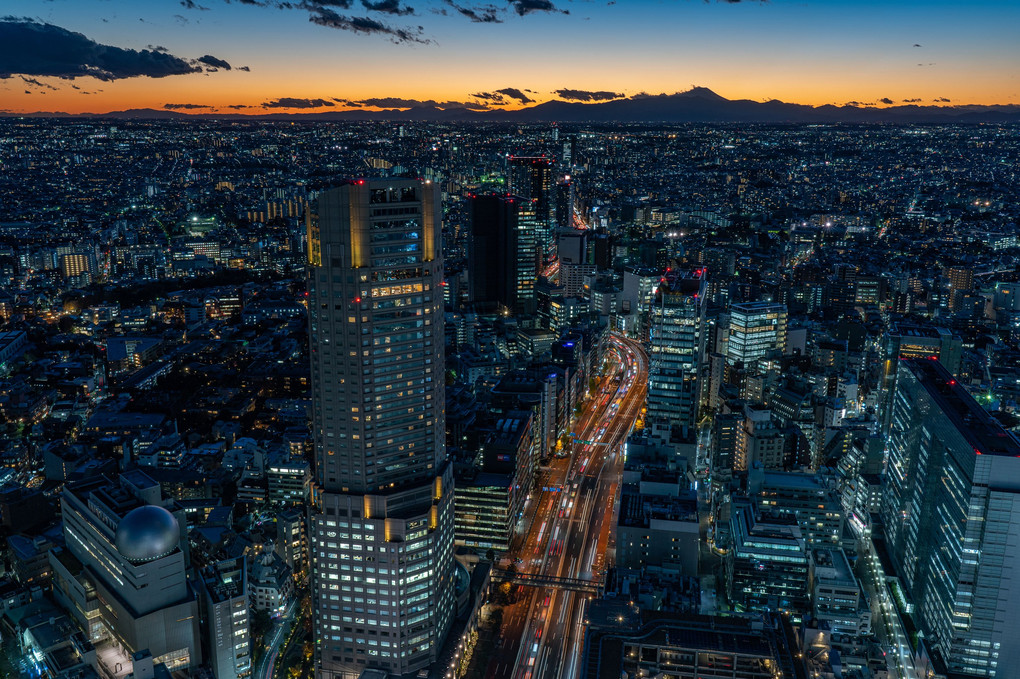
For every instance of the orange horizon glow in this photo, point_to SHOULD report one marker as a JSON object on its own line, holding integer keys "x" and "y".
{"x": 830, "y": 53}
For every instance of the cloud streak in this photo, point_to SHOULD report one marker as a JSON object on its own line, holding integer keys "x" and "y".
{"x": 388, "y": 7}
{"x": 525, "y": 7}
{"x": 323, "y": 16}
{"x": 210, "y": 60}
{"x": 485, "y": 14}
{"x": 588, "y": 95}
{"x": 295, "y": 102}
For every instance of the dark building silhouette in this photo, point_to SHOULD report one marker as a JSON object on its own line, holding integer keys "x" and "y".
{"x": 503, "y": 266}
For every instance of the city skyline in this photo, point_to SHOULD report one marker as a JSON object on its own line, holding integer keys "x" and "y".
{"x": 257, "y": 57}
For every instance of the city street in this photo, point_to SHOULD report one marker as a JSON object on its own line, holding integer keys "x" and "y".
{"x": 279, "y": 634}
{"x": 572, "y": 530}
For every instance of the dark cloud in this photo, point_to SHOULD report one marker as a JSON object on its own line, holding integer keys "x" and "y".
{"x": 388, "y": 7}
{"x": 191, "y": 4}
{"x": 246, "y": 69}
{"x": 237, "y": 107}
{"x": 326, "y": 17}
{"x": 525, "y": 7}
{"x": 942, "y": 100}
{"x": 886, "y": 100}
{"x": 181, "y": 19}
{"x": 181, "y": 107}
{"x": 348, "y": 102}
{"x": 318, "y": 4}
{"x": 492, "y": 97}
{"x": 293, "y": 102}
{"x": 515, "y": 93}
{"x": 485, "y": 14}
{"x": 912, "y": 101}
{"x": 586, "y": 95}
{"x": 210, "y": 60}
{"x": 33, "y": 48}
{"x": 33, "y": 81}
{"x": 917, "y": 44}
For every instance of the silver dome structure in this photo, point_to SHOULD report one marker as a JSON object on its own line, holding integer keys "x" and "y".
{"x": 147, "y": 533}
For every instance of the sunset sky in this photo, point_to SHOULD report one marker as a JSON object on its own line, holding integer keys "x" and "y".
{"x": 311, "y": 53}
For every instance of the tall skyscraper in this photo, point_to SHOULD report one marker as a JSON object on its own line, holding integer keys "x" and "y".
{"x": 531, "y": 177}
{"x": 504, "y": 257}
{"x": 755, "y": 329}
{"x": 382, "y": 533}
{"x": 951, "y": 510}
{"x": 565, "y": 203}
{"x": 677, "y": 345}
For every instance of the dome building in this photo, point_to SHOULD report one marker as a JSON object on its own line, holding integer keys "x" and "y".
{"x": 146, "y": 533}
{"x": 130, "y": 547}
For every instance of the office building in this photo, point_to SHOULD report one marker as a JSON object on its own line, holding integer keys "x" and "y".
{"x": 489, "y": 497}
{"x": 382, "y": 538}
{"x": 225, "y": 610}
{"x": 504, "y": 255}
{"x": 288, "y": 481}
{"x": 531, "y": 178}
{"x": 904, "y": 340}
{"x": 623, "y": 641}
{"x": 756, "y": 328}
{"x": 760, "y": 442}
{"x": 810, "y": 499}
{"x": 727, "y": 442}
{"x": 128, "y": 547}
{"x": 836, "y": 596}
{"x": 564, "y": 203}
{"x": 952, "y": 513}
{"x": 657, "y": 529}
{"x": 767, "y": 563}
{"x": 677, "y": 346}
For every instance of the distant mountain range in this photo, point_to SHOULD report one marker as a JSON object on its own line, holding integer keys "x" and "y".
{"x": 698, "y": 105}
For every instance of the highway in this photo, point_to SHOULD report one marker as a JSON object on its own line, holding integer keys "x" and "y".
{"x": 571, "y": 532}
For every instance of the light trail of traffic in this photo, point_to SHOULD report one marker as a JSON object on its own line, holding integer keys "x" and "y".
{"x": 570, "y": 532}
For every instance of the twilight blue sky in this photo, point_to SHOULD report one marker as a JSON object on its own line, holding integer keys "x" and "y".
{"x": 806, "y": 51}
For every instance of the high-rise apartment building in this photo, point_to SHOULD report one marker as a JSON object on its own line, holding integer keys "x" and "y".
{"x": 755, "y": 329}
{"x": 381, "y": 538}
{"x": 951, "y": 511}
{"x": 677, "y": 346}
{"x": 961, "y": 280}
